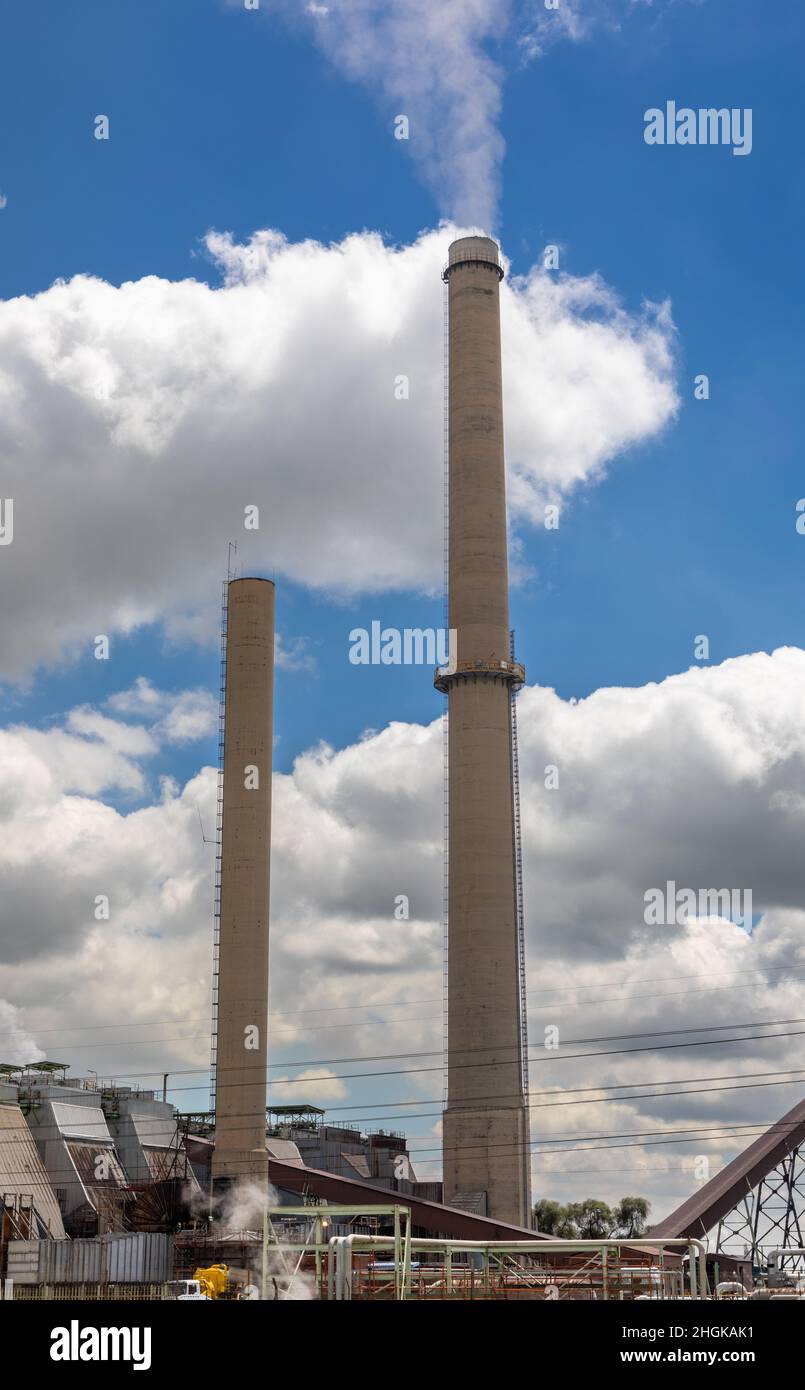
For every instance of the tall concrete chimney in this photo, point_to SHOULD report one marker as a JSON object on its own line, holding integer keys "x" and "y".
{"x": 240, "y": 1120}
{"x": 486, "y": 1131}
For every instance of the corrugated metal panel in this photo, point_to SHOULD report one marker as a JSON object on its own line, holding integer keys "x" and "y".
{"x": 22, "y": 1172}
{"x": 23, "y": 1261}
{"x": 142, "y": 1258}
{"x": 161, "y": 1162}
{"x": 106, "y": 1195}
{"x": 137, "y": 1258}
{"x": 70, "y": 1262}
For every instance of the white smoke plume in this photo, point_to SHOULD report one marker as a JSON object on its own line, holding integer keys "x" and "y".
{"x": 18, "y": 1045}
{"x": 242, "y": 1207}
{"x": 432, "y": 62}
{"x": 427, "y": 61}
{"x": 241, "y": 1210}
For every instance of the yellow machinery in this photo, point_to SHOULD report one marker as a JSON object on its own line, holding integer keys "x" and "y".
{"x": 215, "y": 1282}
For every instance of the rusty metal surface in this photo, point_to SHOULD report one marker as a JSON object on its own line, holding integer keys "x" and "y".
{"x": 106, "y": 1195}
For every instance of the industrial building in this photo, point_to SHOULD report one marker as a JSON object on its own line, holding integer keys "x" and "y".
{"x": 147, "y": 1234}
{"x": 108, "y": 1191}
{"x": 94, "y": 1152}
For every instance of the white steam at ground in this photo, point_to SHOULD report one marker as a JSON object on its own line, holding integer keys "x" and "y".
{"x": 242, "y": 1209}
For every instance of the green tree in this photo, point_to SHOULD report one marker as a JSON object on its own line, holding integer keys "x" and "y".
{"x": 631, "y": 1216}
{"x": 593, "y": 1220}
{"x": 548, "y": 1216}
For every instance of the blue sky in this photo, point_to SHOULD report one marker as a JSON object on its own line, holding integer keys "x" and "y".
{"x": 232, "y": 121}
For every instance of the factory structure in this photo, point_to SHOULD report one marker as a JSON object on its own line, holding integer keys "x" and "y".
{"x": 106, "y": 1187}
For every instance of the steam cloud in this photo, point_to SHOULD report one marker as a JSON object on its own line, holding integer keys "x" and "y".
{"x": 428, "y": 62}
{"x": 431, "y": 62}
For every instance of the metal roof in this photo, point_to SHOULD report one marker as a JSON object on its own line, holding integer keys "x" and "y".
{"x": 45, "y": 1066}
{"x": 22, "y": 1172}
{"x": 700, "y": 1213}
{"x": 106, "y": 1194}
{"x": 432, "y": 1216}
{"x": 294, "y": 1110}
{"x": 285, "y": 1150}
{"x": 159, "y": 1131}
{"x": 80, "y": 1121}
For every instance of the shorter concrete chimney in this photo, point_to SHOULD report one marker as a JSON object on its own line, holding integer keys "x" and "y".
{"x": 241, "y": 1055}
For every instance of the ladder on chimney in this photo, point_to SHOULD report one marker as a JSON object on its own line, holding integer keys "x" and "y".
{"x": 518, "y": 880}
{"x": 219, "y": 825}
{"x": 445, "y": 716}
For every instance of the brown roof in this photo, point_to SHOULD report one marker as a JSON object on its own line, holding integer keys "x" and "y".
{"x": 432, "y": 1216}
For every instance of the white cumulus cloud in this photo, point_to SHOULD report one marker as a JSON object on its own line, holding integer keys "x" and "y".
{"x": 695, "y": 779}
{"x": 137, "y": 423}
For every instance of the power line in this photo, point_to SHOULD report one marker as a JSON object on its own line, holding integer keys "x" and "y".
{"x": 369, "y": 1105}
{"x": 177, "y": 1022}
{"x": 536, "y": 1145}
{"x": 664, "y": 994}
{"x": 570, "y": 1042}
{"x": 555, "y": 1056}
{"x": 412, "y": 1003}
{"x": 662, "y": 979}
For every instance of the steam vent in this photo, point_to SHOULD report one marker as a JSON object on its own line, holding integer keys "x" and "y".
{"x": 486, "y": 1132}
{"x": 242, "y": 1025}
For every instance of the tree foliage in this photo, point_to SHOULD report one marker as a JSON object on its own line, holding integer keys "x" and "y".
{"x": 592, "y": 1219}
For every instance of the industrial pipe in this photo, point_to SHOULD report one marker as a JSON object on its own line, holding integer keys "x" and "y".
{"x": 342, "y": 1247}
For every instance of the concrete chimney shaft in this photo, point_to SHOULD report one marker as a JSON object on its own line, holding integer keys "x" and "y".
{"x": 240, "y": 1128}
{"x": 486, "y": 1131}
